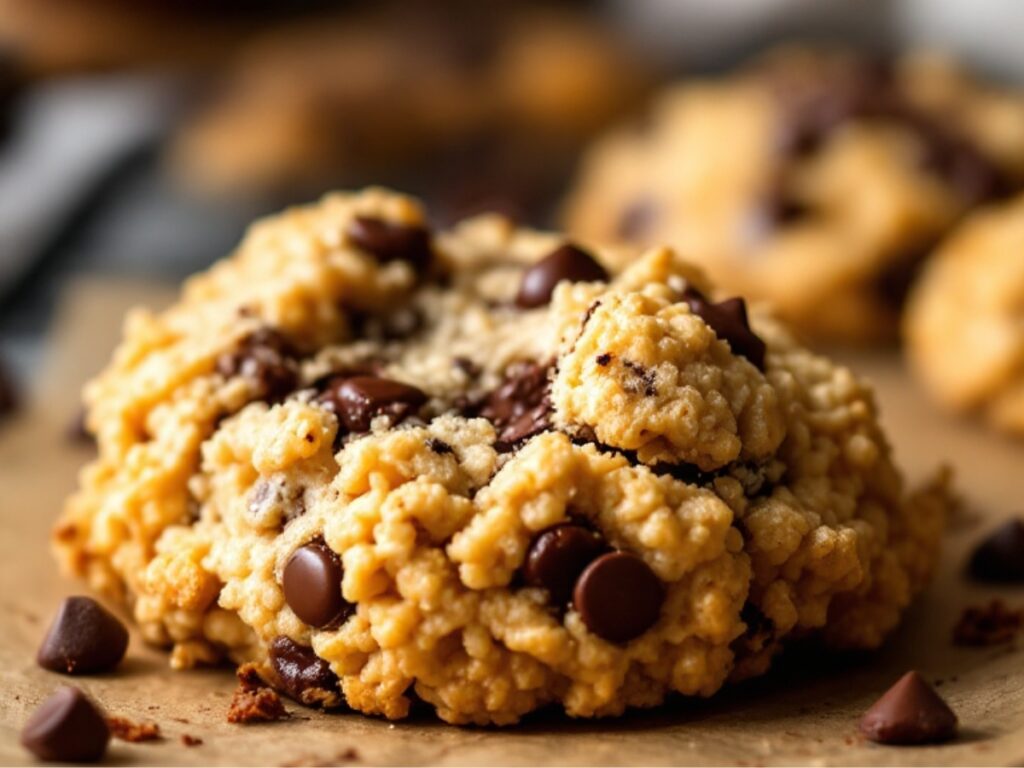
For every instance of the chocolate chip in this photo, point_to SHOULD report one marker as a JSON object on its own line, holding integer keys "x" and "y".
{"x": 266, "y": 358}
{"x": 67, "y": 727}
{"x": 728, "y": 319}
{"x": 603, "y": 359}
{"x": 312, "y": 586}
{"x": 558, "y": 556}
{"x": 357, "y": 400}
{"x": 646, "y": 381}
{"x": 910, "y": 712}
{"x": 618, "y": 597}
{"x": 999, "y": 558}
{"x": 567, "y": 262}
{"x": 389, "y": 241}
{"x": 519, "y": 408}
{"x": 302, "y": 674}
{"x": 83, "y": 638}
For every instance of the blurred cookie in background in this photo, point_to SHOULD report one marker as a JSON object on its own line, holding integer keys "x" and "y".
{"x": 964, "y": 326}
{"x": 816, "y": 179}
{"x": 353, "y": 96}
{"x": 60, "y": 37}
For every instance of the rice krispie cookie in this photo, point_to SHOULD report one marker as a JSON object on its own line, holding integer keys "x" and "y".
{"x": 965, "y": 320}
{"x": 485, "y": 469}
{"x": 816, "y": 180}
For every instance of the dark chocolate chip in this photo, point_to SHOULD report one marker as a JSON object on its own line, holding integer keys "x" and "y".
{"x": 388, "y": 241}
{"x": 312, "y": 586}
{"x": 83, "y": 638}
{"x": 728, "y": 319}
{"x": 357, "y": 400}
{"x": 603, "y": 359}
{"x": 266, "y": 358}
{"x": 302, "y": 674}
{"x": 567, "y": 262}
{"x": 999, "y": 558}
{"x": 519, "y": 407}
{"x": 67, "y": 727}
{"x": 618, "y": 597}
{"x": 558, "y": 556}
{"x": 910, "y": 712}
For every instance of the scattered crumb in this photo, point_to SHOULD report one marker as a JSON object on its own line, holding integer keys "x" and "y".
{"x": 190, "y": 741}
{"x": 128, "y": 730}
{"x": 992, "y": 624}
{"x": 253, "y": 702}
{"x": 349, "y": 754}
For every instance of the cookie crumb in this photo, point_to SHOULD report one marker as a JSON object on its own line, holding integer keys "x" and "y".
{"x": 252, "y": 701}
{"x": 134, "y": 732}
{"x": 991, "y": 624}
{"x": 189, "y": 740}
{"x": 438, "y": 446}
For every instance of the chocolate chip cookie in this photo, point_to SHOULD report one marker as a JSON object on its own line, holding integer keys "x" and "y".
{"x": 965, "y": 321}
{"x": 815, "y": 180}
{"x": 487, "y": 469}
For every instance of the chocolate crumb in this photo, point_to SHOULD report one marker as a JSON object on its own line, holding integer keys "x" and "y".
{"x": 439, "y": 446}
{"x": 189, "y": 740}
{"x": 603, "y": 359}
{"x": 252, "y": 701}
{"x": 135, "y": 732}
{"x": 991, "y": 624}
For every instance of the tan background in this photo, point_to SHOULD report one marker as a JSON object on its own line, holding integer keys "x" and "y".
{"x": 805, "y": 712}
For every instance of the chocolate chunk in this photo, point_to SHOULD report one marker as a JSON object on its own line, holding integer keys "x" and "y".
{"x": 519, "y": 408}
{"x": 618, "y": 597}
{"x": 567, "y": 262}
{"x": 357, "y": 400}
{"x": 303, "y": 675}
{"x": 910, "y": 712}
{"x": 83, "y": 638}
{"x": 999, "y": 558}
{"x": 67, "y": 727}
{"x": 991, "y": 624}
{"x": 388, "y": 241}
{"x": 188, "y": 740}
{"x": 558, "y": 556}
{"x": 728, "y": 319}
{"x": 266, "y": 358}
{"x": 603, "y": 359}
{"x": 312, "y": 586}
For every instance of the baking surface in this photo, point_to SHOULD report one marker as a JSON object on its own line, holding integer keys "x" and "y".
{"x": 804, "y": 712}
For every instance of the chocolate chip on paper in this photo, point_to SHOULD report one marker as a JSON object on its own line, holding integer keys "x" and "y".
{"x": 910, "y": 712}
{"x": 999, "y": 558}
{"x": 84, "y": 638}
{"x": 67, "y": 727}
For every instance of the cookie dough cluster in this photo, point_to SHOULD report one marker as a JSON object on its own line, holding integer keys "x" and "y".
{"x": 816, "y": 180}
{"x": 487, "y": 469}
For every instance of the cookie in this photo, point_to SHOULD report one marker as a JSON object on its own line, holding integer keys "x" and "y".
{"x": 964, "y": 327}
{"x": 383, "y": 90}
{"x": 814, "y": 180}
{"x": 485, "y": 469}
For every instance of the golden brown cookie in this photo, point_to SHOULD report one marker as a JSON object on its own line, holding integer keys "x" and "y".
{"x": 487, "y": 468}
{"x": 814, "y": 180}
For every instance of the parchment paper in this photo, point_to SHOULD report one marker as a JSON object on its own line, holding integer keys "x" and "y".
{"x": 804, "y": 712}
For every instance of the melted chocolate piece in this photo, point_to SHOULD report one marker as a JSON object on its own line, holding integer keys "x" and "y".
{"x": 302, "y": 674}
{"x": 567, "y": 262}
{"x": 728, "y": 319}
